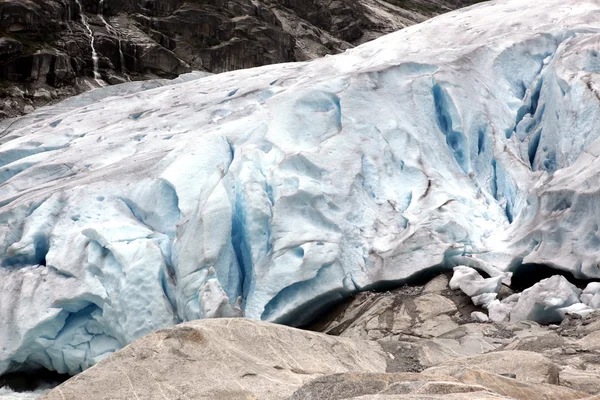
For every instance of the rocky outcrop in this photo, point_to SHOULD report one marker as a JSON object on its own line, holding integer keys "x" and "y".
{"x": 468, "y": 384}
{"x": 225, "y": 359}
{"x": 51, "y": 49}
{"x": 383, "y": 350}
{"x": 433, "y": 330}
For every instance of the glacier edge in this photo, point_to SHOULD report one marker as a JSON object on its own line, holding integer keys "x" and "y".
{"x": 276, "y": 190}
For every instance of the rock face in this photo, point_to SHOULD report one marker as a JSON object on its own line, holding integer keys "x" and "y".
{"x": 237, "y": 359}
{"x": 526, "y": 360}
{"x": 221, "y": 359}
{"x": 48, "y": 47}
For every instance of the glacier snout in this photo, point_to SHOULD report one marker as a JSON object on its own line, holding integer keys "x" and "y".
{"x": 276, "y": 191}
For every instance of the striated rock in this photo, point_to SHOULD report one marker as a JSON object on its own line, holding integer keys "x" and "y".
{"x": 221, "y": 359}
{"x": 350, "y": 386}
{"x": 452, "y": 396}
{"x": 413, "y": 311}
{"x": 432, "y": 305}
{"x": 583, "y": 380}
{"x": 571, "y": 351}
{"x": 465, "y": 341}
{"x": 521, "y": 365}
{"x": 467, "y": 382}
{"x": 515, "y": 389}
{"x": 438, "y": 284}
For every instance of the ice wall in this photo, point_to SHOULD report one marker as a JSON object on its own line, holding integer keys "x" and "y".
{"x": 470, "y": 139}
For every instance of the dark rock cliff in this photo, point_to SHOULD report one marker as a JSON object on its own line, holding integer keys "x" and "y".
{"x": 50, "y": 49}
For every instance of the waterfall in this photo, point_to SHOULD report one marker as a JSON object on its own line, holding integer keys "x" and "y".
{"x": 122, "y": 59}
{"x": 84, "y": 21}
{"x": 69, "y": 17}
{"x": 111, "y": 29}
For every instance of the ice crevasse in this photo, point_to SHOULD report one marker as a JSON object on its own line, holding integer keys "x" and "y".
{"x": 470, "y": 139}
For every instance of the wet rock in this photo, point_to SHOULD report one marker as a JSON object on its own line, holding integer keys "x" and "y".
{"x": 9, "y": 47}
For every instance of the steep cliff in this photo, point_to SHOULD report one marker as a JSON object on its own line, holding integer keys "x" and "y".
{"x": 50, "y": 49}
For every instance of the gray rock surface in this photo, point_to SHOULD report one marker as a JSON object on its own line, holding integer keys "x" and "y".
{"x": 221, "y": 359}
{"x": 466, "y": 382}
{"x": 442, "y": 334}
{"x": 524, "y": 366}
{"x": 347, "y": 386}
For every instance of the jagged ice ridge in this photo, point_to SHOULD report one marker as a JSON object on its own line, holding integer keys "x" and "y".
{"x": 470, "y": 139}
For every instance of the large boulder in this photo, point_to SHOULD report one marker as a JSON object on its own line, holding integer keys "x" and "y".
{"x": 224, "y": 359}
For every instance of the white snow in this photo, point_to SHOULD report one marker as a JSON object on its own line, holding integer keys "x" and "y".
{"x": 470, "y": 139}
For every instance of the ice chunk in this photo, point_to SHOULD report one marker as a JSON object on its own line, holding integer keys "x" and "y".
{"x": 481, "y": 290}
{"x": 576, "y": 309}
{"x": 7, "y": 394}
{"x": 591, "y": 295}
{"x": 546, "y": 301}
{"x": 499, "y": 311}
{"x": 482, "y": 300}
{"x": 478, "y": 316}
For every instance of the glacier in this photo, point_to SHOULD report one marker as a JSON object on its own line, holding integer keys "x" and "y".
{"x": 468, "y": 140}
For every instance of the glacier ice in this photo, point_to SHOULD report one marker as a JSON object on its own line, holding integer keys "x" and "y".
{"x": 7, "y": 394}
{"x": 591, "y": 295}
{"x": 279, "y": 190}
{"x": 576, "y": 309}
{"x": 481, "y": 290}
{"x": 478, "y": 316}
{"x": 544, "y": 302}
{"x": 547, "y": 301}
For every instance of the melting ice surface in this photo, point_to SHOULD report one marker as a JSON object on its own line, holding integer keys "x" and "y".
{"x": 470, "y": 139}
{"x": 7, "y": 394}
